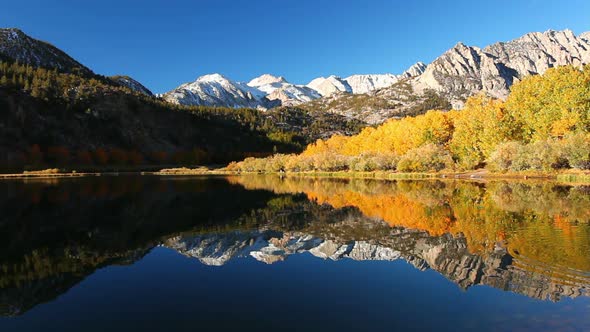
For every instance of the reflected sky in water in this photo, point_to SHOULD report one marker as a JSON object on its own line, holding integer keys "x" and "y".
{"x": 248, "y": 253}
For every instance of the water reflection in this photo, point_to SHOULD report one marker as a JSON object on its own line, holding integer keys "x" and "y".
{"x": 528, "y": 238}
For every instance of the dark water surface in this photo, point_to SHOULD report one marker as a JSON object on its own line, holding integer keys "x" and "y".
{"x": 252, "y": 253}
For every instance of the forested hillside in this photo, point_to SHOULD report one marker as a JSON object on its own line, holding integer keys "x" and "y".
{"x": 52, "y": 119}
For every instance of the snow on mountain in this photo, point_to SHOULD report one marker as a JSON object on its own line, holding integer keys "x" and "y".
{"x": 359, "y": 84}
{"x": 368, "y": 83}
{"x": 279, "y": 90}
{"x": 291, "y": 95}
{"x": 327, "y": 86}
{"x": 268, "y": 91}
{"x": 217, "y": 90}
{"x": 266, "y": 79}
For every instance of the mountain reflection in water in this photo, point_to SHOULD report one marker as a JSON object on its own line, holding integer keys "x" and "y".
{"x": 527, "y": 238}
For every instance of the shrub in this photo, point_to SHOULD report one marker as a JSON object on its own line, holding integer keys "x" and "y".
{"x": 275, "y": 163}
{"x": 543, "y": 155}
{"x": 577, "y": 150}
{"x": 503, "y": 157}
{"x": 429, "y": 157}
{"x": 330, "y": 162}
{"x": 373, "y": 162}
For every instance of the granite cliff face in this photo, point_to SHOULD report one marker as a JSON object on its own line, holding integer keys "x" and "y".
{"x": 465, "y": 70}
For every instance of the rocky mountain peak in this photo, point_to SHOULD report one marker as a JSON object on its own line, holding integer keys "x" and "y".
{"x": 266, "y": 79}
{"x": 416, "y": 69}
{"x": 212, "y": 78}
{"x": 16, "y": 45}
{"x": 465, "y": 70}
{"x": 460, "y": 72}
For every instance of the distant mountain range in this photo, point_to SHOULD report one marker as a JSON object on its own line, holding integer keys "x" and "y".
{"x": 458, "y": 73}
{"x": 268, "y": 91}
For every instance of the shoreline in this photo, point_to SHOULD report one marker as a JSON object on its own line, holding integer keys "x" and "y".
{"x": 475, "y": 175}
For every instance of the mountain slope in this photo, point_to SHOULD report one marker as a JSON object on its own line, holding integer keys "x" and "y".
{"x": 16, "y": 45}
{"x": 327, "y": 86}
{"x": 464, "y": 70}
{"x": 460, "y": 72}
{"x": 131, "y": 83}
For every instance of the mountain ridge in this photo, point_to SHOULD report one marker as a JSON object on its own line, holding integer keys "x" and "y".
{"x": 17, "y": 45}
{"x": 458, "y": 73}
{"x": 455, "y": 75}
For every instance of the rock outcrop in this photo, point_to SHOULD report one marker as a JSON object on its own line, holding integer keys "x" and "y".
{"x": 465, "y": 70}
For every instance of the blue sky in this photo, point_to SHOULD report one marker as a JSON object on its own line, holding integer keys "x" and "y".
{"x": 165, "y": 43}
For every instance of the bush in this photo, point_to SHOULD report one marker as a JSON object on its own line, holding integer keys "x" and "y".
{"x": 429, "y": 157}
{"x": 275, "y": 163}
{"x": 541, "y": 155}
{"x": 503, "y": 157}
{"x": 330, "y": 162}
{"x": 373, "y": 162}
{"x": 577, "y": 150}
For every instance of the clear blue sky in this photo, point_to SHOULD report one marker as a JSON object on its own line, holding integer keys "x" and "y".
{"x": 165, "y": 43}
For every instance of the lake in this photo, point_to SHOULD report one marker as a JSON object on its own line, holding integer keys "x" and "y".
{"x": 248, "y": 253}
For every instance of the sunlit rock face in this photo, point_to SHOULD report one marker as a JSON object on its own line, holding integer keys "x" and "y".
{"x": 464, "y": 70}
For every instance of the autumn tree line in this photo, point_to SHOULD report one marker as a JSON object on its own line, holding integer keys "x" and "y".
{"x": 543, "y": 125}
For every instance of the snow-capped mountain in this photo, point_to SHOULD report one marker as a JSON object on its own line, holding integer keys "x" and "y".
{"x": 368, "y": 83}
{"x": 277, "y": 89}
{"x": 217, "y": 90}
{"x": 327, "y": 86}
{"x": 457, "y": 74}
{"x": 16, "y": 45}
{"x": 267, "y": 91}
{"x": 359, "y": 84}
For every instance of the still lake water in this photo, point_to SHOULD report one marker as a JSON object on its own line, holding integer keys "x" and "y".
{"x": 250, "y": 253}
